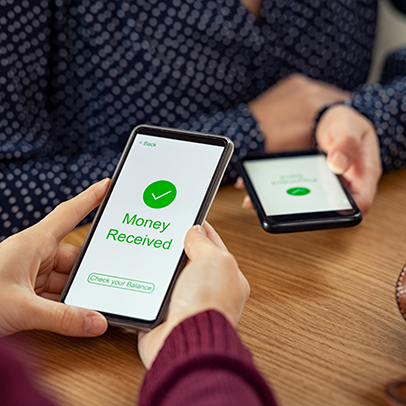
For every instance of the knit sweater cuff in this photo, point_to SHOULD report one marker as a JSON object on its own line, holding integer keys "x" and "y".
{"x": 203, "y": 332}
{"x": 204, "y": 341}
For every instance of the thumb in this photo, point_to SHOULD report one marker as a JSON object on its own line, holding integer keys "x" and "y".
{"x": 339, "y": 134}
{"x": 66, "y": 320}
{"x": 196, "y": 242}
{"x": 199, "y": 239}
{"x": 343, "y": 153}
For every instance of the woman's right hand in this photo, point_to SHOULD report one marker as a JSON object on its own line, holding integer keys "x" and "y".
{"x": 211, "y": 280}
{"x": 352, "y": 147}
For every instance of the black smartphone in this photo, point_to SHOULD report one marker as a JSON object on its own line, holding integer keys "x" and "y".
{"x": 164, "y": 183}
{"x": 296, "y": 191}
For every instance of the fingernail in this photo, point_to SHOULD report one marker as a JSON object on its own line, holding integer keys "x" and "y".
{"x": 246, "y": 202}
{"x": 95, "y": 324}
{"x": 102, "y": 183}
{"x": 338, "y": 163}
{"x": 201, "y": 230}
{"x": 239, "y": 184}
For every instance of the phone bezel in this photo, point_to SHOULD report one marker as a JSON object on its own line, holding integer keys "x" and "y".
{"x": 183, "y": 135}
{"x": 299, "y": 221}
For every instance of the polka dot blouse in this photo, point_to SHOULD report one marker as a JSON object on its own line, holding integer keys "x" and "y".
{"x": 77, "y": 75}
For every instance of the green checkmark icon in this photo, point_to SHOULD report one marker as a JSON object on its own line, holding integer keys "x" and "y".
{"x": 298, "y": 191}
{"x": 159, "y": 194}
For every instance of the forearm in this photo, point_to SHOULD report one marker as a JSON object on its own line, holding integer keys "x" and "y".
{"x": 203, "y": 362}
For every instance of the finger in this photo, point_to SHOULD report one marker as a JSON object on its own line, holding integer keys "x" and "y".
{"x": 343, "y": 153}
{"x": 198, "y": 243}
{"x": 65, "y": 257}
{"x": 364, "y": 199}
{"x": 51, "y": 296}
{"x": 62, "y": 319}
{"x": 246, "y": 203}
{"x": 339, "y": 134}
{"x": 364, "y": 176}
{"x": 344, "y": 149}
{"x": 64, "y": 218}
{"x": 239, "y": 183}
{"x": 213, "y": 236}
{"x": 350, "y": 133}
{"x": 56, "y": 282}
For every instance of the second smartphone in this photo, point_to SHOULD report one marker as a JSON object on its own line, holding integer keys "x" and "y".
{"x": 296, "y": 191}
{"x": 164, "y": 183}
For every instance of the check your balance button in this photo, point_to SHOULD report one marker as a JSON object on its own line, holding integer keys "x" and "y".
{"x": 120, "y": 283}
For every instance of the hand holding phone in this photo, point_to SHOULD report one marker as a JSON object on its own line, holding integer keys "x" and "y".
{"x": 296, "y": 191}
{"x": 212, "y": 280}
{"x": 164, "y": 183}
{"x": 352, "y": 147}
{"x": 34, "y": 267}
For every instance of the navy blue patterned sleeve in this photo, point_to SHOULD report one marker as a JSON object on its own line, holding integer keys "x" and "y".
{"x": 384, "y": 104}
{"x": 237, "y": 124}
{"x": 77, "y": 76}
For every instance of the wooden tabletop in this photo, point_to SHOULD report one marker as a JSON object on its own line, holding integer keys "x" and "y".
{"x": 322, "y": 320}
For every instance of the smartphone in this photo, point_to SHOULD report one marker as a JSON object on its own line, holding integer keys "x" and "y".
{"x": 164, "y": 183}
{"x": 296, "y": 191}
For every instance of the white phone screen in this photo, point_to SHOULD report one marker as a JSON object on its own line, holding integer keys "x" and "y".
{"x": 132, "y": 256}
{"x": 292, "y": 185}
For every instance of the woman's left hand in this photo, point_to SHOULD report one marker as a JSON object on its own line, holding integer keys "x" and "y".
{"x": 34, "y": 267}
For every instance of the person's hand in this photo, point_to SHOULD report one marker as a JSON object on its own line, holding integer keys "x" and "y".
{"x": 286, "y": 112}
{"x": 352, "y": 148}
{"x": 34, "y": 267}
{"x": 347, "y": 137}
{"x": 211, "y": 280}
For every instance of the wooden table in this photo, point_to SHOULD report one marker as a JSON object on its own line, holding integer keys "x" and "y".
{"x": 322, "y": 320}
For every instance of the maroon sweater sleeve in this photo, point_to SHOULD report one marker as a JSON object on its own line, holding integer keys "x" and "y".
{"x": 15, "y": 386}
{"x": 204, "y": 363}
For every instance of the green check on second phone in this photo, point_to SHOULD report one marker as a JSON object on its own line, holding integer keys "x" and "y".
{"x": 298, "y": 191}
{"x": 159, "y": 194}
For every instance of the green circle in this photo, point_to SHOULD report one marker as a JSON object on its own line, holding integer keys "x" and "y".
{"x": 298, "y": 191}
{"x": 159, "y": 194}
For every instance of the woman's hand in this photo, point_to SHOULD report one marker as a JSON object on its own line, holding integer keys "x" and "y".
{"x": 211, "y": 280}
{"x": 352, "y": 148}
{"x": 34, "y": 267}
{"x": 286, "y": 114}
